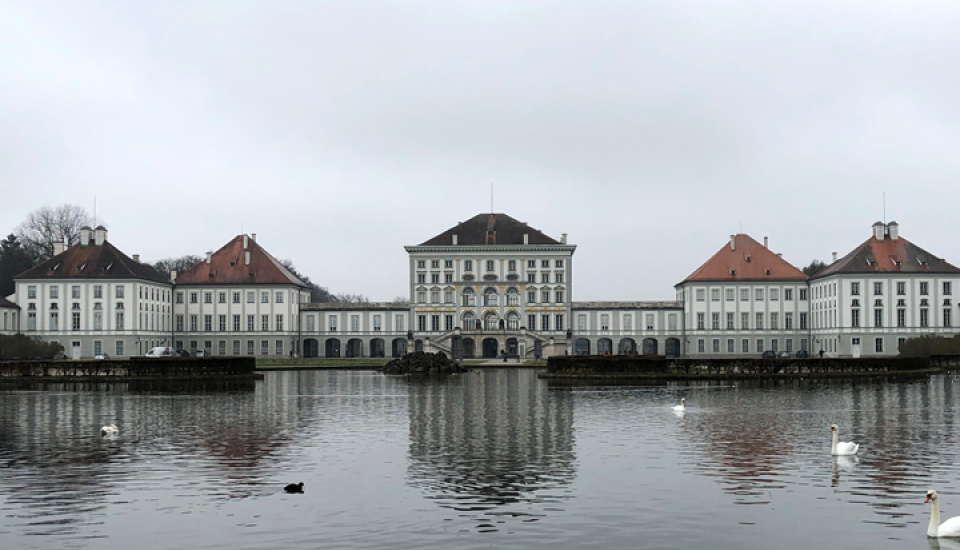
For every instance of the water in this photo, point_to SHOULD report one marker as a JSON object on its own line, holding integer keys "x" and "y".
{"x": 497, "y": 459}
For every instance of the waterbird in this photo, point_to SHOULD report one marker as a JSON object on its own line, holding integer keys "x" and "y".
{"x": 682, "y": 406}
{"x": 294, "y": 488}
{"x": 111, "y": 429}
{"x": 949, "y": 528}
{"x": 841, "y": 448}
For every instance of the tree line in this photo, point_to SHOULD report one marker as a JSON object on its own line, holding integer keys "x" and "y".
{"x": 33, "y": 240}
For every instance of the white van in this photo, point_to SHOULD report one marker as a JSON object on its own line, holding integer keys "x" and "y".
{"x": 160, "y": 352}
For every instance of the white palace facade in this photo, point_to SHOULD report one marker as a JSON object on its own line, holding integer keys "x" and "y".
{"x": 491, "y": 286}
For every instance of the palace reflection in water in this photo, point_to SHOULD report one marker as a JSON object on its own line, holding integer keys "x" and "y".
{"x": 492, "y": 443}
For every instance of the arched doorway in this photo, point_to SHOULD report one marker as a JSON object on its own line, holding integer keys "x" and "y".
{"x": 490, "y": 348}
{"x": 354, "y": 347}
{"x": 604, "y": 346}
{"x": 399, "y": 347}
{"x": 418, "y": 345}
{"x": 628, "y": 346}
{"x": 311, "y": 348}
{"x": 377, "y": 348}
{"x": 513, "y": 347}
{"x": 673, "y": 347}
{"x": 581, "y": 347}
{"x": 469, "y": 348}
{"x": 649, "y": 346}
{"x": 332, "y": 348}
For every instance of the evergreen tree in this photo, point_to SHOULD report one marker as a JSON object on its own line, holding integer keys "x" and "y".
{"x": 13, "y": 261}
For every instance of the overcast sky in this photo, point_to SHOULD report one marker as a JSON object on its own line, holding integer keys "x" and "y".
{"x": 341, "y": 131}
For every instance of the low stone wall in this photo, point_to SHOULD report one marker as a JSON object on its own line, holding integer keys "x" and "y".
{"x": 133, "y": 368}
{"x": 621, "y": 366}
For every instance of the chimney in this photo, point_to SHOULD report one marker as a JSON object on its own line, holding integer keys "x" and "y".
{"x": 100, "y": 235}
{"x": 85, "y": 235}
{"x": 893, "y": 229}
{"x": 210, "y": 255}
{"x": 526, "y": 238}
{"x": 834, "y": 257}
{"x": 247, "y": 256}
{"x": 136, "y": 258}
{"x": 733, "y": 242}
{"x": 766, "y": 241}
{"x": 58, "y": 248}
{"x": 878, "y": 231}
{"x": 454, "y": 238}
{"x": 173, "y": 275}
{"x": 253, "y": 237}
{"x": 563, "y": 238}
{"x": 244, "y": 241}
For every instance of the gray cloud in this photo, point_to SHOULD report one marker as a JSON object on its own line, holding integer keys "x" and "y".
{"x": 341, "y": 131}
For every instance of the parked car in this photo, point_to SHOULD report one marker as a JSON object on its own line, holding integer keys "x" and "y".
{"x": 803, "y": 354}
{"x": 200, "y": 353}
{"x": 101, "y": 356}
{"x": 161, "y": 351}
{"x": 784, "y": 355}
{"x": 182, "y": 353}
{"x": 769, "y": 354}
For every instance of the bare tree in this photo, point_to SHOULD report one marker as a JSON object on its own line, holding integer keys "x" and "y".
{"x": 401, "y": 300}
{"x": 344, "y": 298}
{"x": 45, "y": 226}
{"x": 318, "y": 294}
{"x": 179, "y": 265}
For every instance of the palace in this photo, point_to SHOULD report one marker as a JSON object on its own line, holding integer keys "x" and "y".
{"x": 491, "y": 286}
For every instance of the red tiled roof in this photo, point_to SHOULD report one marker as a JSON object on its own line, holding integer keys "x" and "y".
{"x": 93, "y": 262}
{"x": 228, "y": 266}
{"x": 490, "y": 229}
{"x": 888, "y": 256}
{"x": 748, "y": 260}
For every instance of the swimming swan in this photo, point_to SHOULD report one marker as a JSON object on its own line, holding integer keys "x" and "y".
{"x": 112, "y": 429}
{"x": 294, "y": 488}
{"x": 843, "y": 447}
{"x": 950, "y": 528}
{"x": 682, "y": 405}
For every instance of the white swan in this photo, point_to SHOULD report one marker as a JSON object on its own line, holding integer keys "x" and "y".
{"x": 682, "y": 405}
{"x": 949, "y": 528}
{"x": 843, "y": 447}
{"x": 111, "y": 429}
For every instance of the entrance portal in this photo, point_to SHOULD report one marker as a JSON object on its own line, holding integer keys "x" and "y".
{"x": 490, "y": 348}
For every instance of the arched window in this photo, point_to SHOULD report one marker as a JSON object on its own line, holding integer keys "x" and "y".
{"x": 469, "y": 321}
{"x": 491, "y": 321}
{"x": 513, "y": 321}
{"x": 469, "y": 298}
{"x": 513, "y": 297}
{"x": 490, "y": 297}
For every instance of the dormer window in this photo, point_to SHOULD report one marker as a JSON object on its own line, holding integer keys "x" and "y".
{"x": 81, "y": 266}
{"x": 767, "y": 272}
{"x": 109, "y": 265}
{"x": 733, "y": 272}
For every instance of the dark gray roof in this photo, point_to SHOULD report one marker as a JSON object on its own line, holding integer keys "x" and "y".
{"x": 7, "y": 303}
{"x": 490, "y": 229}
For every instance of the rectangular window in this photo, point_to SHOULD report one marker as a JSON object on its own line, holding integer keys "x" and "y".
{"x": 97, "y": 347}
{"x": 545, "y": 295}
{"x": 531, "y": 277}
{"x": 854, "y": 289}
{"x": 264, "y": 347}
{"x": 854, "y": 318}
{"x": 760, "y": 345}
{"x": 605, "y": 322}
{"x": 236, "y": 347}
{"x": 774, "y": 294}
{"x": 775, "y": 344}
{"x": 716, "y": 345}
{"x": 448, "y": 264}
{"x": 264, "y": 297}
{"x": 744, "y": 321}
{"x": 531, "y": 321}
{"x": 421, "y": 278}
{"x": 435, "y": 278}
{"x": 559, "y": 297}
{"x": 700, "y": 345}
{"x": 119, "y": 321}
{"x": 558, "y": 277}
{"x": 649, "y": 318}
{"x": 193, "y": 297}
{"x": 448, "y": 278}
{"x": 435, "y": 297}
{"x": 531, "y": 264}
{"x": 700, "y": 294}
{"x": 803, "y": 294}
{"x": 788, "y": 321}
{"x": 264, "y": 323}
{"x": 924, "y": 318}
{"x": 448, "y": 322}
{"x": 236, "y": 323}
{"x": 222, "y": 323}
{"x": 545, "y": 277}
{"x": 32, "y": 320}
{"x": 97, "y": 291}
{"x": 714, "y": 294}
{"x": 947, "y": 318}
{"x": 559, "y": 323}
{"x": 32, "y": 292}
{"x": 581, "y": 322}
{"x": 901, "y": 318}
{"x": 803, "y": 321}
{"x": 558, "y": 264}
{"x": 252, "y": 323}
{"x": 532, "y": 297}
{"x": 399, "y": 323}
{"x": 54, "y": 292}
{"x": 490, "y": 265}
{"x": 924, "y": 288}
{"x": 774, "y": 321}
{"x": 545, "y": 322}
{"x": 222, "y": 346}
{"x": 119, "y": 293}
{"x": 731, "y": 345}
{"x": 947, "y": 289}
{"x": 759, "y": 323}
{"x": 744, "y": 295}
{"x": 75, "y": 292}
{"x": 249, "y": 347}
{"x": 901, "y": 288}
{"x": 878, "y": 289}
{"x": 97, "y": 320}
{"x": 788, "y": 294}
{"x": 468, "y": 265}
{"x": 421, "y": 296}
{"x": 730, "y": 321}
{"x": 76, "y": 321}
{"x": 729, "y": 294}
{"x": 715, "y": 321}
{"x": 54, "y": 320}
{"x": 251, "y": 298}
{"x": 700, "y": 321}
{"x": 222, "y": 299}
{"x": 759, "y": 294}
{"x": 878, "y": 318}
{"x": 545, "y": 263}
{"x": 193, "y": 322}
{"x": 207, "y": 323}
{"x": 422, "y": 323}
{"x": 672, "y": 321}
{"x": 745, "y": 345}
{"x": 878, "y": 345}
{"x": 421, "y": 264}
{"x": 118, "y": 347}
{"x": 279, "y": 321}
{"x": 208, "y": 297}
{"x": 235, "y": 298}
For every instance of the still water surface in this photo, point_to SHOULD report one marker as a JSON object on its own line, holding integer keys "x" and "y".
{"x": 490, "y": 459}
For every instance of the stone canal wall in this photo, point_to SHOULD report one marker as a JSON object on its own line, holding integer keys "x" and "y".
{"x": 133, "y": 368}
{"x": 622, "y": 366}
